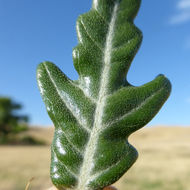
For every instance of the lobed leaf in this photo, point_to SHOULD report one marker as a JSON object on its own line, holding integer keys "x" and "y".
{"x": 95, "y": 115}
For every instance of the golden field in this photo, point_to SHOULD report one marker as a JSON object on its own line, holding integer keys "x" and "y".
{"x": 163, "y": 163}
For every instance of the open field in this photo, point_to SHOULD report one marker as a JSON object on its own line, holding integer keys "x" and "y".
{"x": 163, "y": 164}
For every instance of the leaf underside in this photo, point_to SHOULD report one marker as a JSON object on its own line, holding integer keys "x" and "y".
{"x": 95, "y": 115}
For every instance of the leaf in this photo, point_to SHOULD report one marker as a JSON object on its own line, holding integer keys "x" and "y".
{"x": 95, "y": 115}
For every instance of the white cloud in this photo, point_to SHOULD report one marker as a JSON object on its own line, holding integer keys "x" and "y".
{"x": 183, "y": 13}
{"x": 183, "y": 4}
{"x": 180, "y": 18}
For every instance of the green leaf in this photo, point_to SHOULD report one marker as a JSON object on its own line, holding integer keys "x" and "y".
{"x": 95, "y": 115}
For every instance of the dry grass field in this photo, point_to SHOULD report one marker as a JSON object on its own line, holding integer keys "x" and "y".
{"x": 163, "y": 163}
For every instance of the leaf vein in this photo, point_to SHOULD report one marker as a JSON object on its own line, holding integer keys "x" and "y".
{"x": 93, "y": 177}
{"x": 67, "y": 169}
{"x": 124, "y": 44}
{"x": 85, "y": 94}
{"x": 133, "y": 110}
{"x": 82, "y": 124}
{"x": 98, "y": 13}
{"x": 71, "y": 144}
{"x": 91, "y": 38}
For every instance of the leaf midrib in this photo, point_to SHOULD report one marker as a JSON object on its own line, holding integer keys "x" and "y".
{"x": 87, "y": 166}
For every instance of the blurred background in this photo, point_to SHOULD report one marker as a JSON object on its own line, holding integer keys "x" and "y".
{"x": 33, "y": 31}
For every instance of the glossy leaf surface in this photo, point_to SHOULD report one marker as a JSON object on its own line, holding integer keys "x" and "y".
{"x": 95, "y": 115}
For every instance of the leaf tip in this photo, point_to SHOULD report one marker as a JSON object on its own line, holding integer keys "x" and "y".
{"x": 165, "y": 82}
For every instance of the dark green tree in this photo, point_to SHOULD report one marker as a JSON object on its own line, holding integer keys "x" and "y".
{"x": 10, "y": 121}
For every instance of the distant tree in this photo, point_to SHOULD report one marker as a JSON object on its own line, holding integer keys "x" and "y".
{"x": 10, "y": 121}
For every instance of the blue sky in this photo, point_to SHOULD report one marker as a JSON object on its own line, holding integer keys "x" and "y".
{"x": 33, "y": 31}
